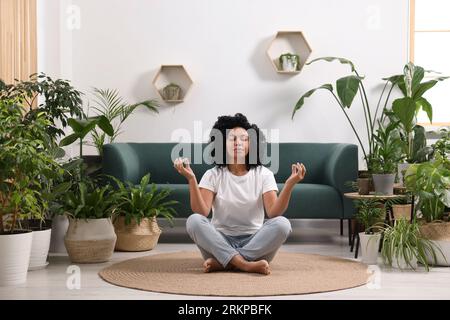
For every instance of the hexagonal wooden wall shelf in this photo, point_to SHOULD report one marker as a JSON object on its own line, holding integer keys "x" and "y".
{"x": 293, "y": 42}
{"x": 172, "y": 82}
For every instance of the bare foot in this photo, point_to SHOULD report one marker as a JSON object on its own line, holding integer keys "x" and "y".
{"x": 261, "y": 266}
{"x": 211, "y": 265}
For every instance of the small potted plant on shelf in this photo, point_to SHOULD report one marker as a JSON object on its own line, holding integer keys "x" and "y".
{"x": 404, "y": 246}
{"x": 90, "y": 237}
{"x": 289, "y": 62}
{"x": 369, "y": 213}
{"x": 387, "y": 153}
{"x": 430, "y": 182}
{"x": 172, "y": 92}
{"x": 137, "y": 209}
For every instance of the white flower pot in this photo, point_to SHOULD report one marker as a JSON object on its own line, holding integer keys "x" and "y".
{"x": 444, "y": 260}
{"x": 369, "y": 247}
{"x": 14, "y": 258}
{"x": 39, "y": 249}
{"x": 400, "y": 263}
{"x": 90, "y": 240}
{"x": 59, "y": 229}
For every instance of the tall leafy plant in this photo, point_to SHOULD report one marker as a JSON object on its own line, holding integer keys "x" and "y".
{"x": 109, "y": 104}
{"x": 348, "y": 87}
{"x": 24, "y": 160}
{"x": 413, "y": 86}
{"x": 60, "y": 101}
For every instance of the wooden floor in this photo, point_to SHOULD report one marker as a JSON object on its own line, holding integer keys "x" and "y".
{"x": 320, "y": 237}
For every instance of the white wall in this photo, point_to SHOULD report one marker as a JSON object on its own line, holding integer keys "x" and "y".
{"x": 222, "y": 43}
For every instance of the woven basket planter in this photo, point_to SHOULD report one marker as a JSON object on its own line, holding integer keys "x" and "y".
{"x": 90, "y": 240}
{"x": 134, "y": 237}
{"x": 401, "y": 211}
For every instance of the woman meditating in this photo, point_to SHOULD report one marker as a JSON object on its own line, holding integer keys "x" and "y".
{"x": 238, "y": 189}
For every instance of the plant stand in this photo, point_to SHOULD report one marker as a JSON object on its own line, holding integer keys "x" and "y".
{"x": 388, "y": 219}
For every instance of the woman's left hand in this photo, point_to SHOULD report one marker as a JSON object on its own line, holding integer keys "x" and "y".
{"x": 298, "y": 173}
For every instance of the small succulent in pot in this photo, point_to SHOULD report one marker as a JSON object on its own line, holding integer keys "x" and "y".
{"x": 289, "y": 62}
{"x": 172, "y": 92}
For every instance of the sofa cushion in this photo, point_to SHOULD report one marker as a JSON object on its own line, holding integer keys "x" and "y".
{"x": 310, "y": 201}
{"x": 313, "y": 201}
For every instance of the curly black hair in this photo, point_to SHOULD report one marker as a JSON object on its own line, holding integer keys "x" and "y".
{"x": 257, "y": 141}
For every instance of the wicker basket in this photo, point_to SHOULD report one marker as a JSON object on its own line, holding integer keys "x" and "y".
{"x": 401, "y": 211}
{"x": 134, "y": 237}
{"x": 90, "y": 240}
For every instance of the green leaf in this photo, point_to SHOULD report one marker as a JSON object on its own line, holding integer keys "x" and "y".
{"x": 426, "y": 106}
{"x": 77, "y": 125}
{"x": 347, "y": 88}
{"x": 421, "y": 88}
{"x": 301, "y": 101}
{"x": 69, "y": 140}
{"x": 330, "y": 59}
{"x": 105, "y": 125}
{"x": 405, "y": 108}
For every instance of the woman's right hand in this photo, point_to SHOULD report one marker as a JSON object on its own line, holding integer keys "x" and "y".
{"x": 185, "y": 170}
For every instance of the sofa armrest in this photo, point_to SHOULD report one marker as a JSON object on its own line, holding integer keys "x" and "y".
{"x": 342, "y": 167}
{"x": 121, "y": 161}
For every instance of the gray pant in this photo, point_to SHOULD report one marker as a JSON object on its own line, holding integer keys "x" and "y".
{"x": 263, "y": 244}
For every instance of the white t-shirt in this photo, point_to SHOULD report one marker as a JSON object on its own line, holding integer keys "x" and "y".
{"x": 238, "y": 206}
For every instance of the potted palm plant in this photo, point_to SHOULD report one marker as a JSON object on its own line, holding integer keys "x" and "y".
{"x": 404, "y": 246}
{"x": 23, "y": 159}
{"x": 430, "y": 182}
{"x": 137, "y": 209}
{"x": 387, "y": 152}
{"x": 369, "y": 213}
{"x": 90, "y": 237}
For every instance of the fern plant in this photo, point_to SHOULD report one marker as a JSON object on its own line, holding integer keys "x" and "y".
{"x": 136, "y": 202}
{"x": 108, "y": 103}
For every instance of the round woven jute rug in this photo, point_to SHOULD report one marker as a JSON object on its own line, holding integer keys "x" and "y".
{"x": 291, "y": 274}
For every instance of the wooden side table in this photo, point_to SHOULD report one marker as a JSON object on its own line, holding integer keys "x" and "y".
{"x": 387, "y": 219}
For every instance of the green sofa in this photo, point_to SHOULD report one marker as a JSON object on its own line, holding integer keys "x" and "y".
{"x": 318, "y": 196}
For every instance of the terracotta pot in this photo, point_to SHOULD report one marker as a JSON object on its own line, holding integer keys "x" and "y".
{"x": 363, "y": 185}
{"x": 134, "y": 237}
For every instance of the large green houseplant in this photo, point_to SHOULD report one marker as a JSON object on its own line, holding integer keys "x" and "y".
{"x": 24, "y": 160}
{"x": 136, "y": 212}
{"x": 404, "y": 109}
{"x": 430, "y": 182}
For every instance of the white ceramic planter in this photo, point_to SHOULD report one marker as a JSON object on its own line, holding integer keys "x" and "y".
{"x": 14, "y": 258}
{"x": 444, "y": 260}
{"x": 39, "y": 249}
{"x": 90, "y": 240}
{"x": 369, "y": 247}
{"x": 59, "y": 229}
{"x": 400, "y": 263}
